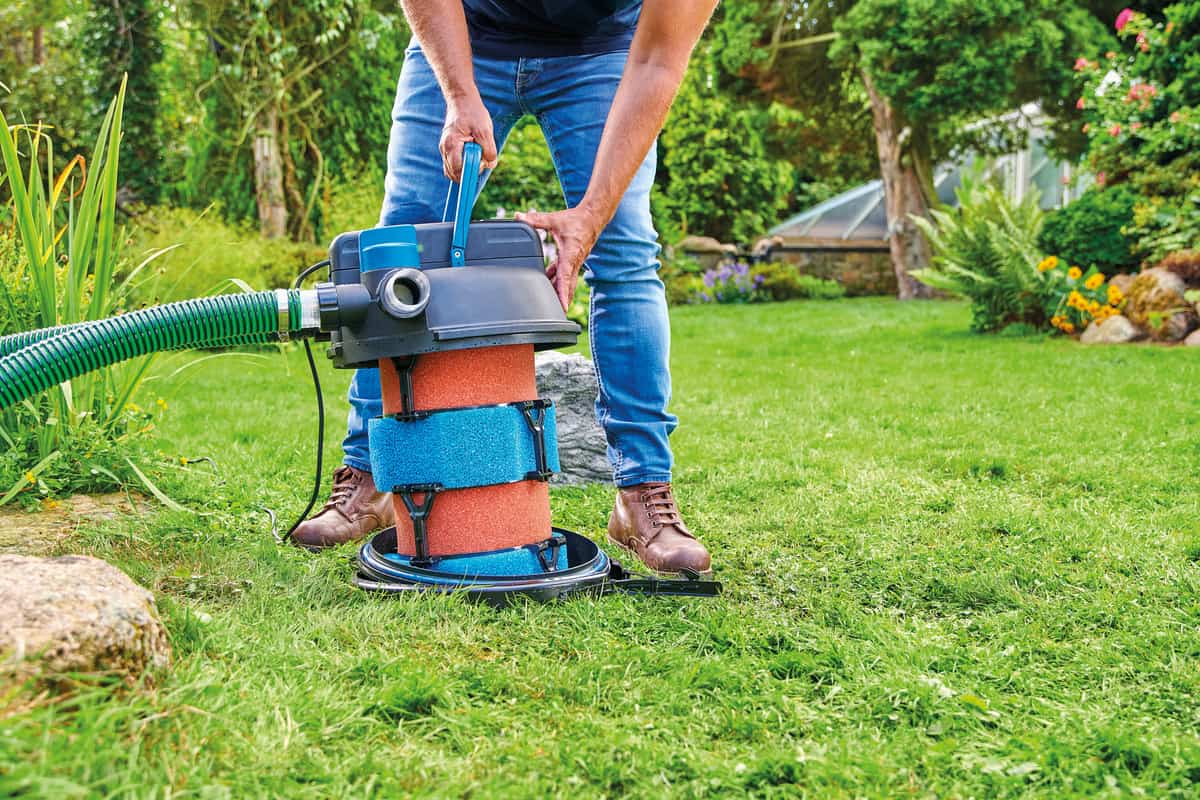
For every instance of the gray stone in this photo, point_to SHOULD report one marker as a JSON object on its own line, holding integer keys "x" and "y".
{"x": 1114, "y": 330}
{"x": 570, "y": 381}
{"x": 76, "y": 614}
{"x": 1193, "y": 339}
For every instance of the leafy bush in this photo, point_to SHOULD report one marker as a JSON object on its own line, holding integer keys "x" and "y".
{"x": 1089, "y": 231}
{"x": 782, "y": 281}
{"x": 352, "y": 204}
{"x": 987, "y": 251}
{"x": 1143, "y": 125}
{"x": 716, "y": 177}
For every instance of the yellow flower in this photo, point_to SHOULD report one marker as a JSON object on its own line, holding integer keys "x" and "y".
{"x": 1093, "y": 307}
{"x": 1074, "y": 273}
{"x": 1048, "y": 263}
{"x": 1095, "y": 281}
{"x": 30, "y": 477}
{"x": 1115, "y": 296}
{"x": 1068, "y": 327}
{"x": 1075, "y": 300}
{"x": 162, "y": 404}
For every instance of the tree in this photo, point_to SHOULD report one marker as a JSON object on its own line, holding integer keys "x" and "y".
{"x": 931, "y": 72}
{"x": 39, "y": 71}
{"x": 121, "y": 38}
{"x": 932, "y": 69}
{"x": 285, "y": 82}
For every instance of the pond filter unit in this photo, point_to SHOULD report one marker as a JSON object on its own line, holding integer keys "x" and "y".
{"x": 451, "y": 315}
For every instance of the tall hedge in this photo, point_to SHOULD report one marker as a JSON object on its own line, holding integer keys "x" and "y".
{"x": 119, "y": 38}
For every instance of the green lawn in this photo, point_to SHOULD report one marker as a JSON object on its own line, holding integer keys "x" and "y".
{"x": 955, "y": 566}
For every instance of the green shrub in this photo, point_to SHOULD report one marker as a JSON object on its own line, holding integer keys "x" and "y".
{"x": 716, "y": 176}
{"x": 1142, "y": 105}
{"x": 207, "y": 255}
{"x": 1088, "y": 232}
{"x": 987, "y": 251}
{"x": 353, "y": 204}
{"x": 525, "y": 176}
{"x": 681, "y": 287}
{"x": 784, "y": 281}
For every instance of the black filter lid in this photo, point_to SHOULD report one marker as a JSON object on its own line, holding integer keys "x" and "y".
{"x": 500, "y": 297}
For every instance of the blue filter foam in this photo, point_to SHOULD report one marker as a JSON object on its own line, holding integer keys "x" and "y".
{"x": 459, "y": 448}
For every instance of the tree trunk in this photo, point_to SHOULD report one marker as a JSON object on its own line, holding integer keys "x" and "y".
{"x": 904, "y": 194}
{"x": 39, "y": 45}
{"x": 268, "y": 175}
{"x": 17, "y": 47}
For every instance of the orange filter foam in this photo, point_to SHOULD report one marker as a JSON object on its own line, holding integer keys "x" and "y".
{"x": 487, "y": 517}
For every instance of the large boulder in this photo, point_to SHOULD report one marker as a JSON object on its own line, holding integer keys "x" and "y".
{"x": 1157, "y": 305}
{"x": 76, "y": 614}
{"x": 1193, "y": 339}
{"x": 1114, "y": 330}
{"x": 570, "y": 381}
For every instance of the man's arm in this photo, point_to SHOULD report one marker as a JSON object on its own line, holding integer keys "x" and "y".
{"x": 666, "y": 34}
{"x": 441, "y": 28}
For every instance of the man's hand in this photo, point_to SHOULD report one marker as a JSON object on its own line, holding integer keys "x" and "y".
{"x": 467, "y": 120}
{"x": 575, "y": 232}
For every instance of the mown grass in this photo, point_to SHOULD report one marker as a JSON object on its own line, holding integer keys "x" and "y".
{"x": 955, "y": 566}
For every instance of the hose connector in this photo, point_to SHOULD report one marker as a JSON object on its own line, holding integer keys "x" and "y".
{"x": 404, "y": 293}
{"x": 283, "y": 306}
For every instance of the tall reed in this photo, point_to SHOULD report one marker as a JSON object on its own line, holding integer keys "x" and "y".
{"x": 63, "y": 229}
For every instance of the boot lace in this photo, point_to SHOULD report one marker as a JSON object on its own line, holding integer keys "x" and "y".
{"x": 345, "y": 481}
{"x": 660, "y": 506}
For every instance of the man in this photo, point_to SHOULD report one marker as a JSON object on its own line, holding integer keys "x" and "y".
{"x": 599, "y": 76}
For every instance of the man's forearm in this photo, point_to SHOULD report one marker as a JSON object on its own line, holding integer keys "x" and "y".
{"x": 658, "y": 59}
{"x": 441, "y": 28}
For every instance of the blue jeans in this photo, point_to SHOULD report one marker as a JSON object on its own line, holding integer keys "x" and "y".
{"x": 630, "y": 338}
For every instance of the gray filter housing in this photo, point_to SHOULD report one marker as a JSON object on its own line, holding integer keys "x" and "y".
{"x": 499, "y": 296}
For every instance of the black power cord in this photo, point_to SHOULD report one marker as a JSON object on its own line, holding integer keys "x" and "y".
{"x": 316, "y": 379}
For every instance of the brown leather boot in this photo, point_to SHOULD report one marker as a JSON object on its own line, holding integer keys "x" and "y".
{"x": 646, "y": 521}
{"x": 355, "y": 509}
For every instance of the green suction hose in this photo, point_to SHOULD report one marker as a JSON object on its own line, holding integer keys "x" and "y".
{"x": 37, "y": 360}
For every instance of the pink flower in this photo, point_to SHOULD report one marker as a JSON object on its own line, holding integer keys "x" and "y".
{"x": 1123, "y": 18}
{"x": 1082, "y": 63}
{"x": 1143, "y": 43}
{"x": 1135, "y": 126}
{"x": 1175, "y": 117}
{"x": 1101, "y": 178}
{"x": 1087, "y": 126}
{"x": 1115, "y": 130}
{"x": 1110, "y": 55}
{"x": 1079, "y": 104}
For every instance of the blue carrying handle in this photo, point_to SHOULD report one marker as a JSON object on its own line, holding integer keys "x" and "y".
{"x": 468, "y": 187}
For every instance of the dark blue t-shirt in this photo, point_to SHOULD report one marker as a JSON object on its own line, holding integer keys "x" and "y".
{"x": 545, "y": 28}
